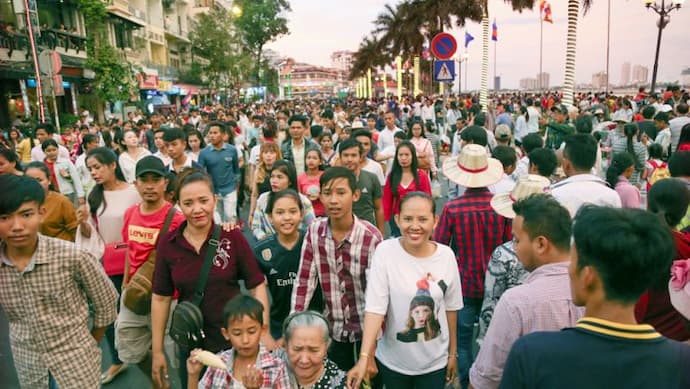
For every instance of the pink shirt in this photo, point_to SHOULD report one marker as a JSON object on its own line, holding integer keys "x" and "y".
{"x": 309, "y": 186}
{"x": 629, "y": 194}
{"x": 542, "y": 303}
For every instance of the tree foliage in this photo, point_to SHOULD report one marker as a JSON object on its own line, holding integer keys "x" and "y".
{"x": 115, "y": 77}
{"x": 213, "y": 40}
{"x": 261, "y": 22}
{"x": 406, "y": 28}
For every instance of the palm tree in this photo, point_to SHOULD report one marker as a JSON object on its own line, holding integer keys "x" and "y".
{"x": 368, "y": 56}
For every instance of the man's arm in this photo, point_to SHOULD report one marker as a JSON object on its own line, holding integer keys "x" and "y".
{"x": 378, "y": 212}
{"x": 306, "y": 276}
{"x": 99, "y": 291}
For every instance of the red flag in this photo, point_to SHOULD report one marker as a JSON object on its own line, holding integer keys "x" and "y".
{"x": 547, "y": 13}
{"x": 542, "y": 3}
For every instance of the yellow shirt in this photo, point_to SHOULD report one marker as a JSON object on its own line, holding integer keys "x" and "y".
{"x": 24, "y": 149}
{"x": 60, "y": 220}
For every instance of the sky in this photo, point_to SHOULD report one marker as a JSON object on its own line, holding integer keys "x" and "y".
{"x": 320, "y": 27}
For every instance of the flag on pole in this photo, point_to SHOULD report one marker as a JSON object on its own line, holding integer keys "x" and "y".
{"x": 468, "y": 38}
{"x": 547, "y": 13}
{"x": 494, "y": 32}
{"x": 542, "y": 4}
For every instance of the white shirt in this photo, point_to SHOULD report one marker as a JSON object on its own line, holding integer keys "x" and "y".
{"x": 581, "y": 189}
{"x": 676, "y": 126}
{"x": 37, "y": 153}
{"x": 521, "y": 169}
{"x": 254, "y": 155}
{"x": 663, "y": 138}
{"x": 395, "y": 283}
{"x": 504, "y": 186}
{"x": 386, "y": 137}
{"x": 166, "y": 160}
{"x": 129, "y": 164}
{"x": 87, "y": 181}
{"x": 428, "y": 113}
{"x": 375, "y": 168}
{"x": 533, "y": 122}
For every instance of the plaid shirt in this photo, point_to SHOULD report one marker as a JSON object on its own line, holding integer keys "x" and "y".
{"x": 275, "y": 374}
{"x": 341, "y": 268}
{"x": 48, "y": 310}
{"x": 473, "y": 229}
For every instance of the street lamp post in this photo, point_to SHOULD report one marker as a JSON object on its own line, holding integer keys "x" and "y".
{"x": 663, "y": 10}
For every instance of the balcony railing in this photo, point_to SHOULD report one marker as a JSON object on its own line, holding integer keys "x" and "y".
{"x": 50, "y": 38}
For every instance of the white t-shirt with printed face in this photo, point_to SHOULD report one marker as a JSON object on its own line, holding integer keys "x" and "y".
{"x": 414, "y": 294}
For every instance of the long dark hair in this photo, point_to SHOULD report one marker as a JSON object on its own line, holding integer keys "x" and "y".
{"x": 287, "y": 168}
{"x": 416, "y": 121}
{"x": 104, "y": 156}
{"x": 684, "y": 136}
{"x": 42, "y": 167}
{"x": 396, "y": 170}
{"x": 524, "y": 111}
{"x": 630, "y": 131}
{"x": 619, "y": 164}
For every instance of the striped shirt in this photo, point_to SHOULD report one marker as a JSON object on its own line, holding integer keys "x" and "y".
{"x": 542, "y": 303}
{"x": 341, "y": 268}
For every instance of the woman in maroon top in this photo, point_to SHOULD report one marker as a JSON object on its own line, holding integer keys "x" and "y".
{"x": 669, "y": 200}
{"x": 404, "y": 177}
{"x": 180, "y": 257}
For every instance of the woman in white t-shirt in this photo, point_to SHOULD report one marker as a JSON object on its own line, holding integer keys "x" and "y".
{"x": 413, "y": 285}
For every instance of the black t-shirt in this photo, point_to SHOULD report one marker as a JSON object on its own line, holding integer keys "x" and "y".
{"x": 597, "y": 354}
{"x": 280, "y": 267}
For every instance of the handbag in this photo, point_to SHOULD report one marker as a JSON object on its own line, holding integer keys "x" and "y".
{"x": 187, "y": 323}
{"x": 137, "y": 293}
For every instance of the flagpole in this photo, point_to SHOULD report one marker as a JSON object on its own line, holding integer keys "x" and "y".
{"x": 541, "y": 49}
{"x": 495, "y": 86}
{"x": 608, "y": 39}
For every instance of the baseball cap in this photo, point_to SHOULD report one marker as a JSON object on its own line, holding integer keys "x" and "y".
{"x": 503, "y": 132}
{"x": 151, "y": 164}
{"x": 560, "y": 108}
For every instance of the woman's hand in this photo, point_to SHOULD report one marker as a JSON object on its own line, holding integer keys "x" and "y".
{"x": 229, "y": 226}
{"x": 252, "y": 378}
{"x": 193, "y": 366}
{"x": 452, "y": 368}
{"x": 357, "y": 374}
{"x": 159, "y": 370}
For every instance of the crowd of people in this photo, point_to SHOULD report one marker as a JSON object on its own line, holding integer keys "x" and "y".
{"x": 563, "y": 237}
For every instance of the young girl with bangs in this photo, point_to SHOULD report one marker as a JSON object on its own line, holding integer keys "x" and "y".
{"x": 269, "y": 153}
{"x": 308, "y": 182}
{"x": 283, "y": 176}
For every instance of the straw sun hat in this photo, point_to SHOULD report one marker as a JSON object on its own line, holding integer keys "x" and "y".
{"x": 527, "y": 185}
{"x": 473, "y": 168}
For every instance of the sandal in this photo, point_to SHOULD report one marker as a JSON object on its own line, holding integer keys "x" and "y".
{"x": 109, "y": 377}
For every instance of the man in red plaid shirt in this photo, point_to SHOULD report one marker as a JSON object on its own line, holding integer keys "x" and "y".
{"x": 473, "y": 229}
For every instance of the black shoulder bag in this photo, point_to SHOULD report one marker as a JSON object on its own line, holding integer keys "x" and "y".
{"x": 187, "y": 323}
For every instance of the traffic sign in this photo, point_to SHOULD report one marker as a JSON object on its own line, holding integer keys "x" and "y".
{"x": 443, "y": 46}
{"x": 49, "y": 62}
{"x": 444, "y": 71}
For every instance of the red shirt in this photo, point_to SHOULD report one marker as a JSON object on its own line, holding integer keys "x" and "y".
{"x": 140, "y": 232}
{"x": 391, "y": 203}
{"x": 310, "y": 185}
{"x": 473, "y": 230}
{"x": 654, "y": 307}
{"x": 178, "y": 267}
{"x": 53, "y": 179}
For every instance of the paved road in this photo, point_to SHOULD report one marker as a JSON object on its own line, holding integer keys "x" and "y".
{"x": 133, "y": 378}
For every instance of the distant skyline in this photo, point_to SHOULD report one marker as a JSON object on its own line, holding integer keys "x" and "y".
{"x": 315, "y": 34}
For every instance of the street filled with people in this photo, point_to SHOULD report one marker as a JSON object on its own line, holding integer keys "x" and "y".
{"x": 421, "y": 242}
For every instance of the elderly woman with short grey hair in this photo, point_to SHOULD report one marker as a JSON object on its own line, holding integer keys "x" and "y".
{"x": 307, "y": 337}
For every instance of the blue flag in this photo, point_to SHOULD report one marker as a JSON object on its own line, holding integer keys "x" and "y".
{"x": 468, "y": 38}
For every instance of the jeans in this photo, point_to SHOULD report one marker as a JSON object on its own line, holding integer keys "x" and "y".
{"x": 467, "y": 316}
{"x": 227, "y": 207}
{"x": 392, "y": 379}
{"x": 110, "y": 331}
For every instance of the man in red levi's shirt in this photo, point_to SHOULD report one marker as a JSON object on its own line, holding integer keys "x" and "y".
{"x": 141, "y": 229}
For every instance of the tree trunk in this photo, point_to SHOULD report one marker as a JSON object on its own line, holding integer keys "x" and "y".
{"x": 258, "y": 65}
{"x": 484, "y": 89}
{"x": 571, "y": 46}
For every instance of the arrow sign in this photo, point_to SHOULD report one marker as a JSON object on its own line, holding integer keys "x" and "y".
{"x": 444, "y": 71}
{"x": 443, "y": 46}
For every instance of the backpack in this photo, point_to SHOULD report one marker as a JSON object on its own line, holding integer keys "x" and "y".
{"x": 660, "y": 172}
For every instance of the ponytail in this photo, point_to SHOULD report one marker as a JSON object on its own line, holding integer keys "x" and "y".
{"x": 619, "y": 164}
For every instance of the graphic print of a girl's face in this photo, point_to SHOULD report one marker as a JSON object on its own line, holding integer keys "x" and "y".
{"x": 420, "y": 314}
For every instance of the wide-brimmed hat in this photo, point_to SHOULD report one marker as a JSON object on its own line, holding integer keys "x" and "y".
{"x": 679, "y": 287}
{"x": 526, "y": 186}
{"x": 620, "y": 116}
{"x": 473, "y": 168}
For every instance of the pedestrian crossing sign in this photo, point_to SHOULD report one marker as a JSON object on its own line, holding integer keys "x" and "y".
{"x": 444, "y": 71}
